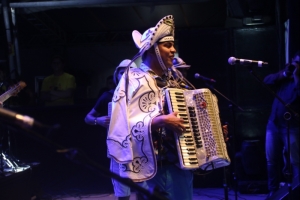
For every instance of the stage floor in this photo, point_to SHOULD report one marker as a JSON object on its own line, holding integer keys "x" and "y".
{"x": 199, "y": 194}
{"x": 69, "y": 183}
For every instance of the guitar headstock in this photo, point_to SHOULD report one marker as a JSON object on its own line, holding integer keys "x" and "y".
{"x": 17, "y": 88}
{"x": 21, "y": 84}
{"x": 13, "y": 91}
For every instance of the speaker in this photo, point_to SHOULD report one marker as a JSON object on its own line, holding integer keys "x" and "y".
{"x": 253, "y": 158}
{"x": 250, "y": 167}
{"x": 253, "y": 187}
{"x": 244, "y": 8}
{"x": 250, "y": 161}
{"x": 16, "y": 186}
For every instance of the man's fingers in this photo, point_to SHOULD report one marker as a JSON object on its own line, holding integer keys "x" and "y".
{"x": 175, "y": 113}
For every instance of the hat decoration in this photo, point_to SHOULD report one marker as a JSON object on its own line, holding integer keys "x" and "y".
{"x": 124, "y": 64}
{"x": 179, "y": 63}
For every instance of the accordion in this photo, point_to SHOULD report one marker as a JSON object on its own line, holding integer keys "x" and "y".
{"x": 202, "y": 145}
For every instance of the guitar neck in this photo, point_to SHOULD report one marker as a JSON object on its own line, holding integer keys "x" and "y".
{"x": 12, "y": 91}
{"x": 7, "y": 94}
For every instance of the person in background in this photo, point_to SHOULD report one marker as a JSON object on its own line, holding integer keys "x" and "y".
{"x": 109, "y": 85}
{"x": 287, "y": 85}
{"x": 99, "y": 116}
{"x": 58, "y": 88}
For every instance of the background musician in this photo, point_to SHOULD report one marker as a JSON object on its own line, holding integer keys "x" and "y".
{"x": 99, "y": 116}
{"x": 287, "y": 85}
{"x": 58, "y": 88}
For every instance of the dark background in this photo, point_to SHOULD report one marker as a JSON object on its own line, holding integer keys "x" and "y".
{"x": 95, "y": 39}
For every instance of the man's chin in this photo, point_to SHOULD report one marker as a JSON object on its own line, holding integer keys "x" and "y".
{"x": 169, "y": 65}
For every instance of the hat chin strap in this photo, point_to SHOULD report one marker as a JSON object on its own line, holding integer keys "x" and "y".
{"x": 161, "y": 63}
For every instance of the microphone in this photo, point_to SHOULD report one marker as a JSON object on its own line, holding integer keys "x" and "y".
{"x": 198, "y": 76}
{"x": 233, "y": 61}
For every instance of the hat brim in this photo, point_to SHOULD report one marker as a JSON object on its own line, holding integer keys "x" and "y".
{"x": 137, "y": 38}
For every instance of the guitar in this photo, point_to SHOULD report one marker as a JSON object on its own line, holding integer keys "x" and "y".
{"x": 12, "y": 91}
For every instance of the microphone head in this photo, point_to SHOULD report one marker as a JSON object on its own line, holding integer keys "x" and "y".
{"x": 197, "y": 75}
{"x": 231, "y": 60}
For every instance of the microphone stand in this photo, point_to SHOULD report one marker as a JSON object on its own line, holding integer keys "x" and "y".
{"x": 78, "y": 157}
{"x": 210, "y": 86}
{"x": 287, "y": 116}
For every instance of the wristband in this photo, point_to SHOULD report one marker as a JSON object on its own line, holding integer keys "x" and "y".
{"x": 95, "y": 121}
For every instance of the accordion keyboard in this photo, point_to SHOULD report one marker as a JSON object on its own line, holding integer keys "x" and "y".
{"x": 190, "y": 139}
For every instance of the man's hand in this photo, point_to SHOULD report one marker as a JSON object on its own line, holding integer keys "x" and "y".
{"x": 225, "y": 132}
{"x": 103, "y": 121}
{"x": 170, "y": 121}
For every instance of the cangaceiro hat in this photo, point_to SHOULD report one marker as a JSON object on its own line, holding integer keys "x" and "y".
{"x": 123, "y": 64}
{"x": 162, "y": 32}
{"x": 179, "y": 63}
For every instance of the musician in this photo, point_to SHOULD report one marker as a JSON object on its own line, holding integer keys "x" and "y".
{"x": 58, "y": 88}
{"x": 287, "y": 85}
{"x": 8, "y": 90}
{"x": 141, "y": 134}
{"x": 99, "y": 116}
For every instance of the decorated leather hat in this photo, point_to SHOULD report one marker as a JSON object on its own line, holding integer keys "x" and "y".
{"x": 125, "y": 63}
{"x": 162, "y": 32}
{"x": 179, "y": 63}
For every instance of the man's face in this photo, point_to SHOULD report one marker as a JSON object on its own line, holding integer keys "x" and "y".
{"x": 296, "y": 63}
{"x": 296, "y": 60}
{"x": 57, "y": 64}
{"x": 120, "y": 72}
{"x": 167, "y": 53}
{"x": 110, "y": 84}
